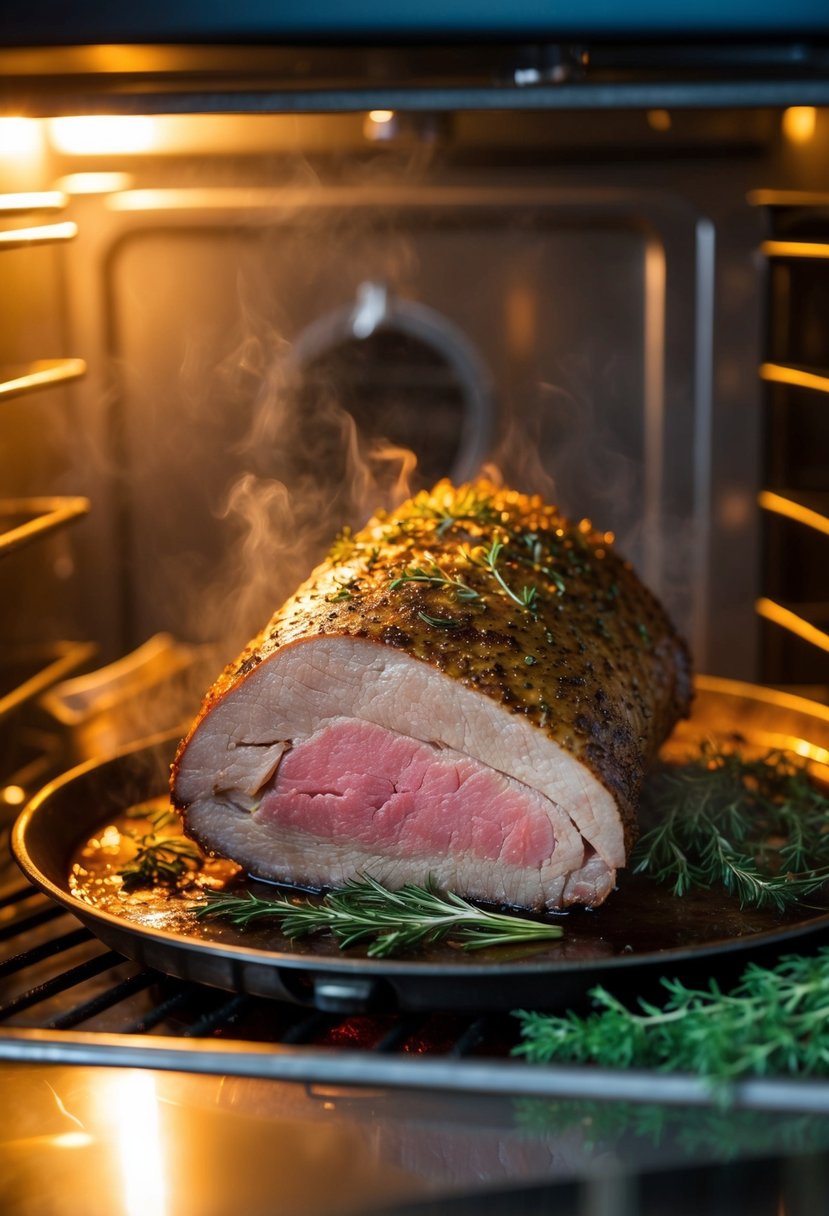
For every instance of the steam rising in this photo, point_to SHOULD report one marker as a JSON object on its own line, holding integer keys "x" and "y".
{"x": 330, "y": 476}
{"x": 282, "y": 448}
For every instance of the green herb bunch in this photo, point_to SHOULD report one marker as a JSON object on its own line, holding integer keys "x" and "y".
{"x": 775, "y": 1022}
{"x": 759, "y": 827}
{"x": 160, "y": 857}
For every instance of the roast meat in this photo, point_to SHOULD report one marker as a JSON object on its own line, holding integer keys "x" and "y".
{"x": 470, "y": 688}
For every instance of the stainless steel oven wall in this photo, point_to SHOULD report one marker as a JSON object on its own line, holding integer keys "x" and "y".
{"x": 608, "y": 292}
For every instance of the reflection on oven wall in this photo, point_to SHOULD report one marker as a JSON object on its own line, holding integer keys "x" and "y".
{"x": 273, "y": 313}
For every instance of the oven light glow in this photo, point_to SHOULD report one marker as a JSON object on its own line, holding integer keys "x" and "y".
{"x": 381, "y": 116}
{"x": 19, "y": 136}
{"x": 94, "y": 183}
{"x": 71, "y": 1140}
{"x": 133, "y": 1110}
{"x": 799, "y": 123}
{"x": 99, "y": 134}
{"x": 13, "y": 795}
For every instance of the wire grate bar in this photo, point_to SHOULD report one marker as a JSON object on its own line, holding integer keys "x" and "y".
{"x": 469, "y": 1040}
{"x": 45, "y": 515}
{"x": 17, "y": 897}
{"x": 32, "y": 921}
{"x": 797, "y": 377}
{"x": 150, "y": 1020}
{"x": 43, "y": 234}
{"x": 37, "y": 954}
{"x": 32, "y": 200}
{"x": 61, "y": 983}
{"x": 793, "y": 622}
{"x": 306, "y": 1029}
{"x": 51, "y": 663}
{"x": 398, "y": 1034}
{"x": 104, "y": 1000}
{"x": 800, "y": 512}
{"x": 811, "y": 250}
{"x": 217, "y": 1018}
{"x": 43, "y": 373}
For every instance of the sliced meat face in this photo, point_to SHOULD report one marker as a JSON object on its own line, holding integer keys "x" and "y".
{"x": 429, "y": 780}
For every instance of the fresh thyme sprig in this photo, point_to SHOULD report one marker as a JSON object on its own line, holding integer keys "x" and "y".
{"x": 160, "y": 859}
{"x": 343, "y": 548}
{"x": 776, "y": 1021}
{"x": 472, "y": 506}
{"x": 531, "y": 541}
{"x": 758, "y": 827}
{"x": 439, "y": 622}
{"x": 526, "y": 598}
{"x": 346, "y": 589}
{"x": 392, "y": 921}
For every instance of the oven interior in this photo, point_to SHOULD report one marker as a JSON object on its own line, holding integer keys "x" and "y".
{"x": 231, "y": 325}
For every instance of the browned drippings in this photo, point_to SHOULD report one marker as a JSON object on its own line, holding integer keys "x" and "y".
{"x": 96, "y": 873}
{"x": 639, "y": 918}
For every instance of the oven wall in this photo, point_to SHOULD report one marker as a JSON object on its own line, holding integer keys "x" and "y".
{"x": 601, "y": 270}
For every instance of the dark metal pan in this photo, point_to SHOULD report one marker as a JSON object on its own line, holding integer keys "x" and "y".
{"x": 641, "y": 934}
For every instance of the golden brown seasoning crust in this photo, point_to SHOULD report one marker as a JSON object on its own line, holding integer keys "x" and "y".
{"x": 500, "y": 591}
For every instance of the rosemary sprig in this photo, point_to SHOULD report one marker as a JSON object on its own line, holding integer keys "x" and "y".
{"x": 776, "y": 1021}
{"x": 392, "y": 921}
{"x": 758, "y": 827}
{"x": 435, "y": 577}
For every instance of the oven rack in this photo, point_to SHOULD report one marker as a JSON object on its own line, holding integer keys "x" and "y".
{"x": 65, "y": 998}
{"x": 794, "y": 501}
{"x": 26, "y": 521}
{"x": 37, "y": 668}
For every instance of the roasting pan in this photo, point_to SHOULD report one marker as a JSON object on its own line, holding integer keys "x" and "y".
{"x": 641, "y": 934}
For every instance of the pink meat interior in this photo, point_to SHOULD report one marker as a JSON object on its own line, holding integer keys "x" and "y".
{"x": 354, "y": 781}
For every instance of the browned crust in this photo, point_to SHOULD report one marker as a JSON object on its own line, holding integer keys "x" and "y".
{"x": 596, "y": 664}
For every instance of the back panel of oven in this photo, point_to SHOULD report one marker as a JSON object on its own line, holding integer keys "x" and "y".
{"x": 592, "y": 324}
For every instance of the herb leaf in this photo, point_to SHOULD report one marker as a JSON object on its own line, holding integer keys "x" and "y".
{"x": 160, "y": 859}
{"x": 471, "y": 506}
{"x": 439, "y": 622}
{"x": 776, "y": 1021}
{"x": 435, "y": 577}
{"x": 526, "y": 598}
{"x": 758, "y": 827}
{"x": 392, "y": 921}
